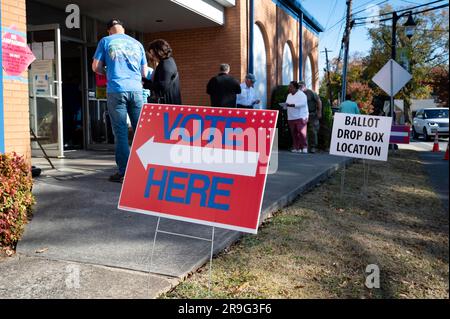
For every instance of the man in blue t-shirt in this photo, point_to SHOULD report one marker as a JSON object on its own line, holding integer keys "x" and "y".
{"x": 122, "y": 59}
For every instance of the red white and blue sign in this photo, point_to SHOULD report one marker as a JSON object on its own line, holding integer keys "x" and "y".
{"x": 200, "y": 164}
{"x": 400, "y": 134}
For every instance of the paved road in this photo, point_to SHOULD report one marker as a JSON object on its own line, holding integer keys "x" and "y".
{"x": 435, "y": 166}
{"x": 425, "y": 146}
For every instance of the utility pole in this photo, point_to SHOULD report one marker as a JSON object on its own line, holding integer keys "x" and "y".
{"x": 348, "y": 28}
{"x": 330, "y": 94}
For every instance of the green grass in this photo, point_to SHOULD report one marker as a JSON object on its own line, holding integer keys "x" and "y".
{"x": 319, "y": 246}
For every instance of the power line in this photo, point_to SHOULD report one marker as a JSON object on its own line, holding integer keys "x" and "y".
{"x": 342, "y": 20}
{"x": 374, "y": 5}
{"x": 402, "y": 10}
{"x": 331, "y": 13}
{"x": 328, "y": 20}
{"x": 412, "y": 13}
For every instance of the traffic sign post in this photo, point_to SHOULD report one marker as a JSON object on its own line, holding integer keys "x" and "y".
{"x": 391, "y": 79}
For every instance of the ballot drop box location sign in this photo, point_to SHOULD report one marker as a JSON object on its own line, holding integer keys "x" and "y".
{"x": 200, "y": 164}
{"x": 361, "y": 136}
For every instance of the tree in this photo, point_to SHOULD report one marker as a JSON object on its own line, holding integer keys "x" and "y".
{"x": 354, "y": 74}
{"x": 440, "y": 83}
{"x": 362, "y": 95}
{"x": 427, "y": 49}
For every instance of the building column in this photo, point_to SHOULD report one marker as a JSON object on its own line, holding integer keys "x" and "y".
{"x": 251, "y": 37}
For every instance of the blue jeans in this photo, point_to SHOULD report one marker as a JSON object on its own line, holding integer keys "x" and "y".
{"x": 119, "y": 105}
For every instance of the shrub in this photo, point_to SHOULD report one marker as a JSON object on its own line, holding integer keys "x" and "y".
{"x": 363, "y": 95}
{"x": 16, "y": 199}
{"x": 284, "y": 136}
{"x": 326, "y": 125}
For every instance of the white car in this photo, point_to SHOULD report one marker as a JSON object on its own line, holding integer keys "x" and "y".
{"x": 429, "y": 121}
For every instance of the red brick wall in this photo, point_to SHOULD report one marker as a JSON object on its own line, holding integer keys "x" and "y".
{"x": 15, "y": 103}
{"x": 199, "y": 52}
{"x": 281, "y": 28}
{"x": 311, "y": 50}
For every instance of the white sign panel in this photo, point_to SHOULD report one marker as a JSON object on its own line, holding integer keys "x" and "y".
{"x": 49, "y": 50}
{"x": 42, "y": 76}
{"x": 399, "y": 77}
{"x": 361, "y": 136}
{"x": 36, "y": 47}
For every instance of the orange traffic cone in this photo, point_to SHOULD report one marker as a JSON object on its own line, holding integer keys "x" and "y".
{"x": 436, "y": 143}
{"x": 446, "y": 154}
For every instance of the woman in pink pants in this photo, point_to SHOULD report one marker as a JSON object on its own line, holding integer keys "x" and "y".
{"x": 298, "y": 114}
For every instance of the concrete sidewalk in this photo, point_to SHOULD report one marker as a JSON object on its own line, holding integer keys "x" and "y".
{"x": 77, "y": 224}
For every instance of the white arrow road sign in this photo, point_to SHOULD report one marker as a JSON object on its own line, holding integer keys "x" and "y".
{"x": 205, "y": 159}
{"x": 395, "y": 74}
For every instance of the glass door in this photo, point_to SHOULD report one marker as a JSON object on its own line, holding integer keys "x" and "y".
{"x": 46, "y": 114}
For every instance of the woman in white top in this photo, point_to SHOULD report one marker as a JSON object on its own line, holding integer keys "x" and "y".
{"x": 298, "y": 114}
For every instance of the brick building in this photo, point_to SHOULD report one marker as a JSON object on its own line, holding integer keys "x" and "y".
{"x": 57, "y": 97}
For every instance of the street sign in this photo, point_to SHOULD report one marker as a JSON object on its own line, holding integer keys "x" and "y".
{"x": 200, "y": 164}
{"x": 400, "y": 134}
{"x": 361, "y": 136}
{"x": 16, "y": 54}
{"x": 392, "y": 73}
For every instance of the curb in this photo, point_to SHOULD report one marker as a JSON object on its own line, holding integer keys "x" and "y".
{"x": 269, "y": 211}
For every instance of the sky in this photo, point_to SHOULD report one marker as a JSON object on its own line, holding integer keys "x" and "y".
{"x": 330, "y": 14}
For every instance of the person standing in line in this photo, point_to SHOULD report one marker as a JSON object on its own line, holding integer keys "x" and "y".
{"x": 166, "y": 80}
{"x": 297, "y": 110}
{"x": 122, "y": 59}
{"x": 315, "y": 114}
{"x": 248, "y": 99}
{"x": 223, "y": 88}
{"x": 349, "y": 106}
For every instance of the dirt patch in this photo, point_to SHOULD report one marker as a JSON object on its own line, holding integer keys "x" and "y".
{"x": 320, "y": 246}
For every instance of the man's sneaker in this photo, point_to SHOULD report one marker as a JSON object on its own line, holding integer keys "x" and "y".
{"x": 116, "y": 178}
{"x": 304, "y": 151}
{"x": 295, "y": 151}
{"x": 313, "y": 150}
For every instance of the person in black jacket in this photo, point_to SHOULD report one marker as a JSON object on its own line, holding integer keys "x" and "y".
{"x": 223, "y": 88}
{"x": 165, "y": 82}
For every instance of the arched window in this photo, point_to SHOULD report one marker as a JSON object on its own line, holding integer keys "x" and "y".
{"x": 260, "y": 66}
{"x": 288, "y": 65}
{"x": 308, "y": 76}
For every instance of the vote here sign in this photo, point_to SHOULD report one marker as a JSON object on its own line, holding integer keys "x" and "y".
{"x": 200, "y": 164}
{"x": 361, "y": 136}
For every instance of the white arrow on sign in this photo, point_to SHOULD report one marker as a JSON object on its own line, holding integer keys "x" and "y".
{"x": 207, "y": 159}
{"x": 392, "y": 72}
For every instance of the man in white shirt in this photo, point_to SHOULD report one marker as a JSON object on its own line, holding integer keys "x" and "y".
{"x": 298, "y": 114}
{"x": 248, "y": 99}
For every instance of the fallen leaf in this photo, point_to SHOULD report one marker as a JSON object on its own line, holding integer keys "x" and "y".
{"x": 9, "y": 252}
{"x": 41, "y": 251}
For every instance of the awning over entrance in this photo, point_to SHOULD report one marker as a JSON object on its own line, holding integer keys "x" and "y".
{"x": 153, "y": 16}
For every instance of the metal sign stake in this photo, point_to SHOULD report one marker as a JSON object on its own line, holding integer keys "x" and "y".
{"x": 211, "y": 259}
{"x": 343, "y": 180}
{"x": 152, "y": 253}
{"x": 366, "y": 168}
{"x": 186, "y": 236}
